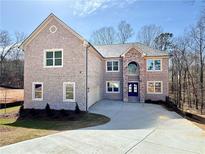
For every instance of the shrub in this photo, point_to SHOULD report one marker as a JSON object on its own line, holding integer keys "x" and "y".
{"x": 21, "y": 111}
{"x": 63, "y": 112}
{"x": 77, "y": 110}
{"x": 33, "y": 112}
{"x": 48, "y": 110}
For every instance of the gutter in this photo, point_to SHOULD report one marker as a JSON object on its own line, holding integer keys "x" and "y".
{"x": 86, "y": 45}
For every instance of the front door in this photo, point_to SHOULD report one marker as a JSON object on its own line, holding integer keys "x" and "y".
{"x": 132, "y": 89}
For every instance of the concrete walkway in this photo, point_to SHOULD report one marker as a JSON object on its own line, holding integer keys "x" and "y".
{"x": 134, "y": 128}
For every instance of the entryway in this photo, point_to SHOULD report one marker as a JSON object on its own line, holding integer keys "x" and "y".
{"x": 133, "y": 92}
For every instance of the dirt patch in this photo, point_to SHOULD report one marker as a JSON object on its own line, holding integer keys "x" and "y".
{"x": 11, "y": 95}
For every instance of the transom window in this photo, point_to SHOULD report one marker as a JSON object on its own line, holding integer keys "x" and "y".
{"x": 37, "y": 91}
{"x": 154, "y": 64}
{"x": 154, "y": 87}
{"x": 69, "y": 91}
{"x": 112, "y": 66}
{"x": 53, "y": 58}
{"x": 112, "y": 86}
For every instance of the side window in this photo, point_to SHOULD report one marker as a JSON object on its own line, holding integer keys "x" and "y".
{"x": 37, "y": 91}
{"x": 112, "y": 66}
{"x": 53, "y": 58}
{"x": 69, "y": 91}
{"x": 154, "y": 64}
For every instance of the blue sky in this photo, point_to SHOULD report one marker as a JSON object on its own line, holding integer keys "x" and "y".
{"x": 85, "y": 16}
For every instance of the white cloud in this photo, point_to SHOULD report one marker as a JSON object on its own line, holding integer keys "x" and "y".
{"x": 85, "y": 7}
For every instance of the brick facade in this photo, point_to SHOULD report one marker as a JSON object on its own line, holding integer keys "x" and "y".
{"x": 79, "y": 63}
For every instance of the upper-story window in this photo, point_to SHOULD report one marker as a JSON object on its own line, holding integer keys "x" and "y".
{"x": 53, "y": 58}
{"x": 133, "y": 68}
{"x": 112, "y": 66}
{"x": 154, "y": 64}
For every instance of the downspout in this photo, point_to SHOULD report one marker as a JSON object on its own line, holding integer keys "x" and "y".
{"x": 86, "y": 45}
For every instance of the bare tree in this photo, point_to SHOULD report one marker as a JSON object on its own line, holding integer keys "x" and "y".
{"x": 163, "y": 41}
{"x": 11, "y": 59}
{"x": 197, "y": 36}
{"x": 5, "y": 48}
{"x": 105, "y": 35}
{"x": 125, "y": 32}
{"x": 148, "y": 33}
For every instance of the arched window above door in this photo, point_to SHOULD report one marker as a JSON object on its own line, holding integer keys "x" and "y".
{"x": 133, "y": 68}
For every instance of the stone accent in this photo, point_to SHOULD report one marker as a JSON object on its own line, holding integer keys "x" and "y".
{"x": 136, "y": 56}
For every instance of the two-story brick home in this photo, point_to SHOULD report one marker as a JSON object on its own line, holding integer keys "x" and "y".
{"x": 62, "y": 68}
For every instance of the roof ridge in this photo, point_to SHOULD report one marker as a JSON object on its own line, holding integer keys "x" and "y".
{"x": 116, "y": 44}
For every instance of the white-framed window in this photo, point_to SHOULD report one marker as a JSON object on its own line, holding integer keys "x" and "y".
{"x": 154, "y": 87}
{"x": 37, "y": 91}
{"x": 69, "y": 91}
{"x": 112, "y": 66}
{"x": 154, "y": 64}
{"x": 112, "y": 86}
{"x": 53, "y": 58}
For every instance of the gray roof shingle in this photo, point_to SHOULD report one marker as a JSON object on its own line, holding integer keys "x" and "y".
{"x": 116, "y": 50}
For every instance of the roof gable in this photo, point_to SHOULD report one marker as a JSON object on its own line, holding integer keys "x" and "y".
{"x": 136, "y": 48}
{"x": 43, "y": 24}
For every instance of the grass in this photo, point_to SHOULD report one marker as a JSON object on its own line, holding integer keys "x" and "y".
{"x": 15, "y": 129}
{"x": 10, "y": 110}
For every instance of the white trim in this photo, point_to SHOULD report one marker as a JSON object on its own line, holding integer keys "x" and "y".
{"x": 64, "y": 92}
{"x": 33, "y": 91}
{"x": 112, "y": 88}
{"x": 44, "y": 58}
{"x": 154, "y": 65}
{"x": 53, "y": 26}
{"x": 154, "y": 87}
{"x": 112, "y": 60}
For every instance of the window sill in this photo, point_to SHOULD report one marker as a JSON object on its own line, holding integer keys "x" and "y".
{"x": 53, "y": 66}
{"x": 37, "y": 99}
{"x": 112, "y": 92}
{"x": 154, "y": 70}
{"x": 69, "y": 101}
{"x": 155, "y": 93}
{"x": 112, "y": 71}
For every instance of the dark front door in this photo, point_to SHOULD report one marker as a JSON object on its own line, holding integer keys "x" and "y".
{"x": 132, "y": 89}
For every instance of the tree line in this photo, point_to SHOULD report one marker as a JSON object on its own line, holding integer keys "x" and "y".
{"x": 150, "y": 35}
{"x": 11, "y": 59}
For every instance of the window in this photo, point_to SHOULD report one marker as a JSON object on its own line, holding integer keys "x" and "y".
{"x": 112, "y": 86}
{"x": 69, "y": 91}
{"x": 37, "y": 91}
{"x": 53, "y": 58}
{"x": 154, "y": 64}
{"x": 154, "y": 87}
{"x": 133, "y": 69}
{"x": 112, "y": 66}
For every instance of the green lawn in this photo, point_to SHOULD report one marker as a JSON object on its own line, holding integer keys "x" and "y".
{"x": 10, "y": 110}
{"x": 14, "y": 130}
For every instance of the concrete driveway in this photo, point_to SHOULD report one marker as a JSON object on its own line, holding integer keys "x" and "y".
{"x": 134, "y": 128}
